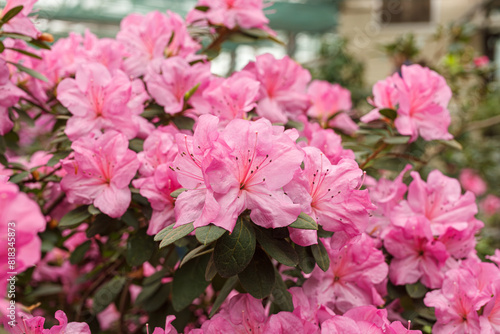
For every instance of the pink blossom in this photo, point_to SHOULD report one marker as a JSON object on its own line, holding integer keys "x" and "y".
{"x": 9, "y": 95}
{"x": 100, "y": 173}
{"x": 283, "y": 87}
{"x": 169, "y": 80}
{"x": 169, "y": 329}
{"x": 231, "y": 13}
{"x": 27, "y": 324}
{"x": 440, "y": 201}
{"x": 98, "y": 100}
{"x": 233, "y": 97}
{"x": 106, "y": 51}
{"x": 481, "y": 61}
{"x": 330, "y": 193}
{"x": 490, "y": 205}
{"x": 21, "y": 214}
{"x": 355, "y": 270}
{"x": 307, "y": 308}
{"x": 471, "y": 181}
{"x": 331, "y": 101}
{"x": 385, "y": 96}
{"x": 154, "y": 36}
{"x": 21, "y": 23}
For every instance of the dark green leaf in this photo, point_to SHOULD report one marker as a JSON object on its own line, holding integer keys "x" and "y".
{"x": 305, "y": 222}
{"x": 30, "y": 71}
{"x": 136, "y": 145}
{"x": 306, "y": 259}
{"x": 192, "y": 254}
{"x": 228, "y": 286}
{"x": 156, "y": 277}
{"x": 102, "y": 225}
{"x": 146, "y": 292}
{"x": 416, "y": 290}
{"x": 3, "y": 145}
{"x": 281, "y": 296}
{"x": 389, "y": 113}
{"x": 78, "y": 254}
{"x": 15, "y": 36}
{"x": 129, "y": 219}
{"x": 173, "y": 234}
{"x": 2, "y": 47}
{"x": 19, "y": 177}
{"x": 258, "y": 277}
{"x": 74, "y": 217}
{"x": 157, "y": 300}
{"x": 177, "y": 192}
{"x": 211, "y": 271}
{"x": 208, "y": 234}
{"x": 27, "y": 53}
{"x": 324, "y": 234}
{"x": 398, "y": 140}
{"x": 183, "y": 122}
{"x": 202, "y": 8}
{"x": 11, "y": 13}
{"x": 233, "y": 251}
{"x": 189, "y": 282}
{"x": 321, "y": 255}
{"x": 40, "y": 44}
{"x": 46, "y": 290}
{"x": 140, "y": 248}
{"x": 108, "y": 293}
{"x": 57, "y": 156}
{"x": 278, "y": 249}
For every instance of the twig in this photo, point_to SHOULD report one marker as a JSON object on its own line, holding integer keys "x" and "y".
{"x": 483, "y": 124}
{"x": 373, "y": 155}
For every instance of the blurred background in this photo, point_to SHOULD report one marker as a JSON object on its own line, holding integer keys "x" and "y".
{"x": 356, "y": 43}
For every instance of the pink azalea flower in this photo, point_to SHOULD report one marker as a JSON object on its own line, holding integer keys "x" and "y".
{"x": 354, "y": 271}
{"x": 27, "y": 324}
{"x": 106, "y": 51}
{"x": 168, "y": 81}
{"x": 331, "y": 100}
{"x": 21, "y": 214}
{"x": 330, "y": 193}
{"x": 98, "y": 100}
{"x": 233, "y": 97}
{"x": 283, "y": 87}
{"x": 9, "y": 95}
{"x": 490, "y": 205}
{"x": 471, "y": 181}
{"x": 307, "y": 308}
{"x": 440, "y": 201}
{"x": 490, "y": 318}
{"x": 326, "y": 140}
{"x": 154, "y": 36}
{"x": 21, "y": 23}
{"x": 231, "y": 13}
{"x": 100, "y": 173}
{"x": 169, "y": 329}
{"x": 481, "y": 61}
{"x": 385, "y": 96}
{"x": 417, "y": 256}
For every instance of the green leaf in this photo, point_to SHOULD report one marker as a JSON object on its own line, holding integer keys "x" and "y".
{"x": 304, "y": 222}
{"x": 57, "y": 156}
{"x": 183, "y": 122}
{"x": 228, "y": 286}
{"x": 136, "y": 145}
{"x": 416, "y": 290}
{"x": 129, "y": 219}
{"x": 74, "y": 217}
{"x": 208, "y": 234}
{"x": 177, "y": 192}
{"x": 107, "y": 293}
{"x": 452, "y": 143}
{"x": 389, "y": 113}
{"x": 147, "y": 292}
{"x": 78, "y": 254}
{"x": 191, "y": 92}
{"x": 321, "y": 255}
{"x": 258, "y": 277}
{"x": 46, "y": 290}
{"x": 40, "y": 44}
{"x": 27, "y": 53}
{"x": 202, "y": 8}
{"x": 278, "y": 249}
{"x": 2, "y": 47}
{"x": 93, "y": 210}
{"x": 306, "y": 259}
{"x": 234, "y": 251}
{"x": 19, "y": 177}
{"x": 192, "y": 254}
{"x": 172, "y": 234}
{"x": 29, "y": 71}
{"x": 15, "y": 36}
{"x": 189, "y": 282}
{"x": 398, "y": 140}
{"x": 103, "y": 225}
{"x": 156, "y": 277}
{"x": 281, "y": 296}
{"x": 211, "y": 271}
{"x": 11, "y": 13}
{"x": 140, "y": 248}
{"x": 157, "y": 300}
{"x": 324, "y": 234}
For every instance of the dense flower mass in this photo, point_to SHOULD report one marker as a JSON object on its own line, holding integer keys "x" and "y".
{"x": 140, "y": 192}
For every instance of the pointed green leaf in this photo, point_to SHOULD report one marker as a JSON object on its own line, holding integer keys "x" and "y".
{"x": 278, "y": 249}
{"x": 19, "y": 177}
{"x": 190, "y": 93}
{"x": 11, "y": 14}
{"x": 107, "y": 293}
{"x": 192, "y": 254}
{"x": 2, "y": 47}
{"x": 398, "y": 140}
{"x": 321, "y": 255}
{"x": 416, "y": 290}
{"x": 74, "y": 217}
{"x": 304, "y": 222}
{"x": 189, "y": 282}
{"x": 177, "y": 192}
{"x": 234, "y": 251}
{"x": 174, "y": 234}
{"x": 27, "y": 53}
{"x": 228, "y": 286}
{"x": 258, "y": 277}
{"x": 30, "y": 71}
{"x": 389, "y": 113}
{"x": 452, "y": 143}
{"x": 281, "y": 296}
{"x": 140, "y": 248}
{"x": 57, "y": 156}
{"x": 306, "y": 259}
{"x": 39, "y": 44}
{"x": 211, "y": 271}
{"x": 208, "y": 234}
{"x": 202, "y": 8}
{"x": 78, "y": 254}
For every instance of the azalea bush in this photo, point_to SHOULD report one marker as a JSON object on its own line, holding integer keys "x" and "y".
{"x": 140, "y": 193}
